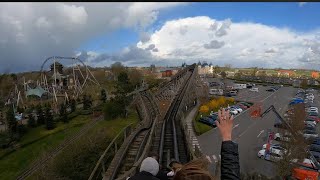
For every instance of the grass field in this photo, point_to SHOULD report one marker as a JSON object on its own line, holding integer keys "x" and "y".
{"x": 201, "y": 128}
{"x": 78, "y": 160}
{"x": 34, "y": 143}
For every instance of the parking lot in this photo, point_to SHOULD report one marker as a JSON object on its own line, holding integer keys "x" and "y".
{"x": 249, "y": 133}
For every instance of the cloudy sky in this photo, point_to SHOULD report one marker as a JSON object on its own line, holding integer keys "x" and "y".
{"x": 283, "y": 35}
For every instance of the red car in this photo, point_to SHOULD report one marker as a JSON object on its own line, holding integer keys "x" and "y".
{"x": 314, "y": 118}
{"x": 242, "y": 106}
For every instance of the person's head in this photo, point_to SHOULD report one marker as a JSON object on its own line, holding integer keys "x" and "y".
{"x": 194, "y": 170}
{"x": 150, "y": 165}
{"x": 175, "y": 165}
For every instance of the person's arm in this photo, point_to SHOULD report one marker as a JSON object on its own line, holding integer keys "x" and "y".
{"x": 230, "y": 168}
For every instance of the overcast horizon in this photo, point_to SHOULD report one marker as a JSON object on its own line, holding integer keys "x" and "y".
{"x": 268, "y": 35}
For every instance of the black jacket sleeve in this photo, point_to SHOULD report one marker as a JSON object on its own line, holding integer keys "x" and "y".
{"x": 230, "y": 168}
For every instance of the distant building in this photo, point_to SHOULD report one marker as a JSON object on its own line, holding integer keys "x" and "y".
{"x": 315, "y": 74}
{"x": 286, "y": 73}
{"x": 167, "y": 73}
{"x": 205, "y": 68}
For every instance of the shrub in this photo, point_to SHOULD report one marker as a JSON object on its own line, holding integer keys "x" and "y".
{"x": 204, "y": 109}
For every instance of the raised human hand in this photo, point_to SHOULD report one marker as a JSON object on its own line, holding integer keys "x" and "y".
{"x": 225, "y": 124}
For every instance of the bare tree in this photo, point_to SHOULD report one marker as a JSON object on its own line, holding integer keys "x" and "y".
{"x": 296, "y": 146}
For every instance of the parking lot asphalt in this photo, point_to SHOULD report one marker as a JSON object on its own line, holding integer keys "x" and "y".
{"x": 249, "y": 133}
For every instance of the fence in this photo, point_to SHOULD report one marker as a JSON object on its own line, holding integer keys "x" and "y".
{"x": 109, "y": 152}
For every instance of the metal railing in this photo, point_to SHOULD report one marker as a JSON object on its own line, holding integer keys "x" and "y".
{"x": 102, "y": 162}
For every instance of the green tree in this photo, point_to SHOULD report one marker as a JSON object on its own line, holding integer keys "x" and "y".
{"x": 85, "y": 102}
{"x": 117, "y": 68}
{"x": 113, "y": 109}
{"x": 40, "y": 115}
{"x": 217, "y": 69}
{"x": 103, "y": 95}
{"x": 223, "y": 74}
{"x": 31, "y": 120}
{"x": 135, "y": 77}
{"x": 63, "y": 113}
{"x": 49, "y": 119}
{"x": 11, "y": 121}
{"x": 73, "y": 105}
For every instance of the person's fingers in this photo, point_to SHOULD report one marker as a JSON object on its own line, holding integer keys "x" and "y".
{"x": 219, "y": 114}
{"x": 222, "y": 114}
{"x": 218, "y": 124}
{"x": 228, "y": 114}
{"x": 231, "y": 118}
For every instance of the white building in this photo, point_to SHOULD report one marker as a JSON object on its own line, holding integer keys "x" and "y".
{"x": 205, "y": 68}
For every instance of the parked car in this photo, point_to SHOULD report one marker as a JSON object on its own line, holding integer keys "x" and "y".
{"x": 306, "y": 162}
{"x": 315, "y": 154}
{"x": 271, "y": 90}
{"x": 295, "y": 102}
{"x": 313, "y": 114}
{"x": 316, "y": 141}
{"x": 310, "y": 121}
{"x": 311, "y": 128}
{"x": 208, "y": 121}
{"x": 307, "y": 134}
{"x": 246, "y": 104}
{"x": 275, "y": 146}
{"x": 304, "y": 173}
{"x": 274, "y": 155}
{"x": 237, "y": 108}
{"x": 232, "y": 111}
{"x": 254, "y": 89}
{"x": 280, "y": 137}
{"x": 233, "y": 93}
{"x": 242, "y": 106}
{"x": 312, "y": 110}
{"x": 314, "y": 118}
{"x": 314, "y": 147}
{"x": 280, "y": 125}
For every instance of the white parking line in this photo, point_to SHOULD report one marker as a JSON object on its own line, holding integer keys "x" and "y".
{"x": 260, "y": 133}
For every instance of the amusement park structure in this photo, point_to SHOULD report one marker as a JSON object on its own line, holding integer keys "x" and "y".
{"x": 54, "y": 82}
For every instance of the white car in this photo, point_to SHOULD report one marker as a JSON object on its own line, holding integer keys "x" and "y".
{"x": 237, "y": 109}
{"x": 275, "y": 155}
{"x": 312, "y": 110}
{"x": 275, "y": 147}
{"x": 305, "y": 162}
{"x": 308, "y": 134}
{"x": 310, "y": 122}
{"x": 280, "y": 137}
{"x": 232, "y": 111}
{"x": 254, "y": 89}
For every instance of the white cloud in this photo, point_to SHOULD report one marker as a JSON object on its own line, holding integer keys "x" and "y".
{"x": 244, "y": 44}
{"x": 31, "y": 32}
{"x": 42, "y": 22}
{"x": 214, "y": 44}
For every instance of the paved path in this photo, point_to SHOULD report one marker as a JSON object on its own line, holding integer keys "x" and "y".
{"x": 192, "y": 114}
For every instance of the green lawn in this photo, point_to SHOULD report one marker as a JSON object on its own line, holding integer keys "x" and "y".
{"x": 78, "y": 160}
{"x": 201, "y": 128}
{"x": 34, "y": 144}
